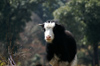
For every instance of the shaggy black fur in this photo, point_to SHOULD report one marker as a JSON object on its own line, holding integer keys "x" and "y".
{"x": 63, "y": 45}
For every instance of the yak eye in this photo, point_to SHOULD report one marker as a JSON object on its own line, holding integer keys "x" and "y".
{"x": 48, "y": 21}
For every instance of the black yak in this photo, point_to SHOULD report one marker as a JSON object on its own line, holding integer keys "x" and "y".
{"x": 61, "y": 45}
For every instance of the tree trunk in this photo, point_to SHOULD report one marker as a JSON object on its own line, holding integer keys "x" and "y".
{"x": 95, "y": 55}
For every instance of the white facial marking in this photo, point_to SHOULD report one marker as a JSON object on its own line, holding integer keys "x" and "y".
{"x": 49, "y": 35}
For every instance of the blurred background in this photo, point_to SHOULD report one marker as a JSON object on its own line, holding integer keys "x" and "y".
{"x": 22, "y": 41}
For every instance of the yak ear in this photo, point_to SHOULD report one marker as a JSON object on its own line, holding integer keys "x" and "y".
{"x": 42, "y": 25}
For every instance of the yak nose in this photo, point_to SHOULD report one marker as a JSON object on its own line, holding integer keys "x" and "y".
{"x": 48, "y": 37}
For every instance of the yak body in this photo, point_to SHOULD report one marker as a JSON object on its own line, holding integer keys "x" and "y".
{"x": 61, "y": 50}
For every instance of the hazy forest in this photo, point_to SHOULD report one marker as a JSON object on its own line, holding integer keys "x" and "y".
{"x": 22, "y": 40}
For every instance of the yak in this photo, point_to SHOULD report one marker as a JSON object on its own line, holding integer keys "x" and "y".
{"x": 61, "y": 46}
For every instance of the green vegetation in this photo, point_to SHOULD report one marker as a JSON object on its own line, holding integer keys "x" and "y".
{"x": 21, "y": 37}
{"x": 83, "y": 16}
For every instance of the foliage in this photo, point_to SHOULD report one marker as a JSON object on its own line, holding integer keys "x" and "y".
{"x": 88, "y": 12}
{"x": 35, "y": 60}
{"x": 46, "y": 7}
{"x": 85, "y": 55}
{"x": 82, "y": 17}
{"x": 2, "y": 63}
{"x": 13, "y": 18}
{"x": 66, "y": 16}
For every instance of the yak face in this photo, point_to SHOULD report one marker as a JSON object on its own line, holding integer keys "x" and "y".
{"x": 48, "y": 31}
{"x": 52, "y": 30}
